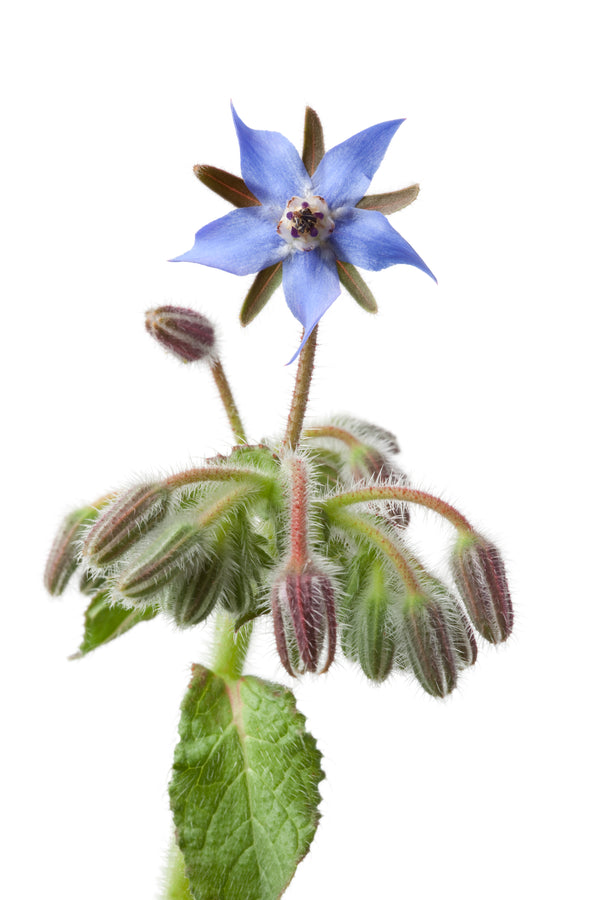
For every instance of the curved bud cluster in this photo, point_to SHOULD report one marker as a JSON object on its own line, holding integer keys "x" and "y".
{"x": 185, "y": 333}
{"x": 305, "y": 620}
{"x": 132, "y": 514}
{"x": 480, "y": 576}
{"x": 438, "y": 642}
{"x": 64, "y": 555}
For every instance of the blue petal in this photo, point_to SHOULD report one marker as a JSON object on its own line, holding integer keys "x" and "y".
{"x": 365, "y": 238}
{"x": 241, "y": 242}
{"x": 344, "y": 174}
{"x": 310, "y": 284}
{"x": 271, "y": 165}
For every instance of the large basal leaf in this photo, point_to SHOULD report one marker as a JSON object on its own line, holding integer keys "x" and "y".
{"x": 104, "y": 623}
{"x": 244, "y": 791}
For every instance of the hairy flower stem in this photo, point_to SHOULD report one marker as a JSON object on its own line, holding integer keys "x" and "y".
{"x": 406, "y": 495}
{"x": 218, "y": 373}
{"x": 383, "y": 542}
{"x": 230, "y": 647}
{"x": 333, "y": 431}
{"x": 214, "y": 473}
{"x": 301, "y": 389}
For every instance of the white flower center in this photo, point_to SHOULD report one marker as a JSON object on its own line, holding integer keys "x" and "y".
{"x": 306, "y": 223}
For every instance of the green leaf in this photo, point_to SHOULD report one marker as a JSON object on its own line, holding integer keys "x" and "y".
{"x": 263, "y": 287}
{"x": 230, "y": 187}
{"x": 356, "y": 286}
{"x": 313, "y": 150}
{"x": 390, "y": 203}
{"x": 244, "y": 791}
{"x": 104, "y": 623}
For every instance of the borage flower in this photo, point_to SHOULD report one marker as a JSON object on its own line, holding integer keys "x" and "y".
{"x": 310, "y": 224}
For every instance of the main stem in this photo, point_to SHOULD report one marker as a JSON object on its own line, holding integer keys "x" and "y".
{"x": 231, "y": 647}
{"x": 301, "y": 388}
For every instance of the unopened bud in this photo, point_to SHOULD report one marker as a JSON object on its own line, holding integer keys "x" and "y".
{"x": 164, "y": 558}
{"x": 64, "y": 556}
{"x": 124, "y": 522}
{"x": 435, "y": 643}
{"x": 305, "y": 621}
{"x": 369, "y": 614}
{"x": 479, "y": 574}
{"x": 190, "y": 600}
{"x": 185, "y": 333}
{"x": 463, "y": 636}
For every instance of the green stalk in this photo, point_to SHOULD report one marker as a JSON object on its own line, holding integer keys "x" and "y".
{"x": 301, "y": 388}
{"x": 231, "y": 647}
{"x": 226, "y": 394}
{"x": 404, "y": 494}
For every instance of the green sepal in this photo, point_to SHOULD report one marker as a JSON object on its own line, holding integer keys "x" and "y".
{"x": 263, "y": 287}
{"x": 313, "y": 149}
{"x": 105, "y": 622}
{"x": 356, "y": 286}
{"x": 231, "y": 187}
{"x": 391, "y": 202}
{"x": 244, "y": 791}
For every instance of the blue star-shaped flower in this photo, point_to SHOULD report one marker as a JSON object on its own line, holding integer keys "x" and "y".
{"x": 306, "y": 223}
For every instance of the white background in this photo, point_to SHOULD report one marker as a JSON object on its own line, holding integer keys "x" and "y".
{"x": 489, "y": 380}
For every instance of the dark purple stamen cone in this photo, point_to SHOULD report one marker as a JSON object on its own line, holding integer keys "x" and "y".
{"x": 305, "y": 621}
{"x": 479, "y": 574}
{"x": 429, "y": 645}
{"x": 185, "y": 333}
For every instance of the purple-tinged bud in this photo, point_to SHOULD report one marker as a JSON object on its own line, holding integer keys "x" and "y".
{"x": 185, "y": 333}
{"x": 430, "y": 644}
{"x": 64, "y": 556}
{"x": 305, "y": 621}
{"x": 162, "y": 560}
{"x": 479, "y": 574}
{"x": 124, "y": 522}
{"x": 462, "y": 634}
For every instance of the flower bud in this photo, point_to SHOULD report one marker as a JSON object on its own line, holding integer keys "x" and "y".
{"x": 370, "y": 631}
{"x": 185, "y": 333}
{"x": 161, "y": 561}
{"x": 479, "y": 574}
{"x": 304, "y": 619}
{"x": 463, "y": 635}
{"x": 435, "y": 643}
{"x": 191, "y": 599}
{"x": 64, "y": 555}
{"x": 130, "y": 516}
